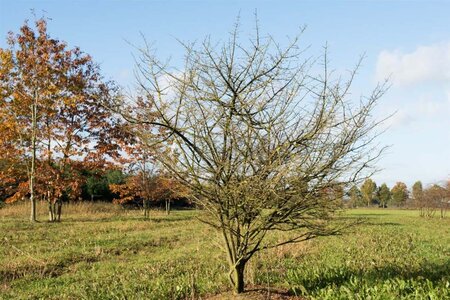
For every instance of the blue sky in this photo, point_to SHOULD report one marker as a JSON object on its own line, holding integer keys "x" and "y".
{"x": 407, "y": 40}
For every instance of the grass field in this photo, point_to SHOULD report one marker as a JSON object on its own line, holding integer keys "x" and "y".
{"x": 100, "y": 251}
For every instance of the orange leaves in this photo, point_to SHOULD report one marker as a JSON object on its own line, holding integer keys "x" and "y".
{"x": 20, "y": 193}
{"x": 51, "y": 182}
{"x": 6, "y": 63}
{"x": 127, "y": 192}
{"x": 52, "y": 95}
{"x": 150, "y": 187}
{"x": 169, "y": 188}
{"x": 13, "y": 179}
{"x": 64, "y": 84}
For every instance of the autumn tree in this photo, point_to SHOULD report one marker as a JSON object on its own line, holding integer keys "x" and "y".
{"x": 434, "y": 198}
{"x": 140, "y": 165}
{"x": 399, "y": 193}
{"x": 23, "y": 93}
{"x": 169, "y": 189}
{"x": 258, "y": 136}
{"x": 148, "y": 184}
{"x": 13, "y": 167}
{"x": 147, "y": 180}
{"x": 141, "y": 182}
{"x": 384, "y": 195}
{"x": 13, "y": 176}
{"x": 368, "y": 191}
{"x": 355, "y": 196}
{"x": 51, "y": 98}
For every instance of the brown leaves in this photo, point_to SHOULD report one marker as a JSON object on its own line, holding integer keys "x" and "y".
{"x": 153, "y": 187}
{"x": 65, "y": 89}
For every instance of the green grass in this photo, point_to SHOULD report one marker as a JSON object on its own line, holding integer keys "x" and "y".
{"x": 100, "y": 251}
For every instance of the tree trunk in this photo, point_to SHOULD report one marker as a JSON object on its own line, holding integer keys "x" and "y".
{"x": 33, "y": 208}
{"x": 168, "y": 207}
{"x": 33, "y": 158}
{"x": 145, "y": 208}
{"x": 51, "y": 205}
{"x": 51, "y": 212}
{"x": 238, "y": 277}
{"x": 58, "y": 210}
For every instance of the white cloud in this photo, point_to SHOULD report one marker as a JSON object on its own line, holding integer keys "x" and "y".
{"x": 426, "y": 64}
{"x": 433, "y": 108}
{"x": 398, "y": 119}
{"x": 411, "y": 108}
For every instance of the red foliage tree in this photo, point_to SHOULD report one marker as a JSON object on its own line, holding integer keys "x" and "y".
{"x": 51, "y": 103}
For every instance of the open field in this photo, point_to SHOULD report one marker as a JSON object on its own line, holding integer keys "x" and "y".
{"x": 100, "y": 251}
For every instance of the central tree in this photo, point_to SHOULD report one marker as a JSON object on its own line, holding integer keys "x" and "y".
{"x": 260, "y": 139}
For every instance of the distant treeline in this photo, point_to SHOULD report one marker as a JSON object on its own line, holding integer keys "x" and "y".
{"x": 427, "y": 199}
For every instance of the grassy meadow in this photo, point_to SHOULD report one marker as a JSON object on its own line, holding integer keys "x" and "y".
{"x": 100, "y": 251}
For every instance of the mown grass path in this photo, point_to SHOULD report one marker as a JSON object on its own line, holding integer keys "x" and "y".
{"x": 102, "y": 252}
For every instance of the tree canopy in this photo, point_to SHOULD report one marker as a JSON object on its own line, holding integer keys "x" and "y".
{"x": 51, "y": 115}
{"x": 259, "y": 137}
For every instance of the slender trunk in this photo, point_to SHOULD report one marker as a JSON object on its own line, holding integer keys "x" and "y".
{"x": 51, "y": 212}
{"x": 168, "y": 207}
{"x": 238, "y": 277}
{"x": 58, "y": 209}
{"x": 51, "y": 206}
{"x": 144, "y": 188}
{"x": 33, "y": 203}
{"x": 33, "y": 159}
{"x": 145, "y": 204}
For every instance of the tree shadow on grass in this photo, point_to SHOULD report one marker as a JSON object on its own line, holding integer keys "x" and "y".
{"x": 75, "y": 220}
{"x": 382, "y": 224}
{"x": 42, "y": 269}
{"x": 368, "y": 215}
{"x": 119, "y": 218}
{"x": 342, "y": 276}
{"x": 169, "y": 219}
{"x": 368, "y": 221}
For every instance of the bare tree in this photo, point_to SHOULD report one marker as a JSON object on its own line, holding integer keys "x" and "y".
{"x": 434, "y": 198}
{"x": 257, "y": 136}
